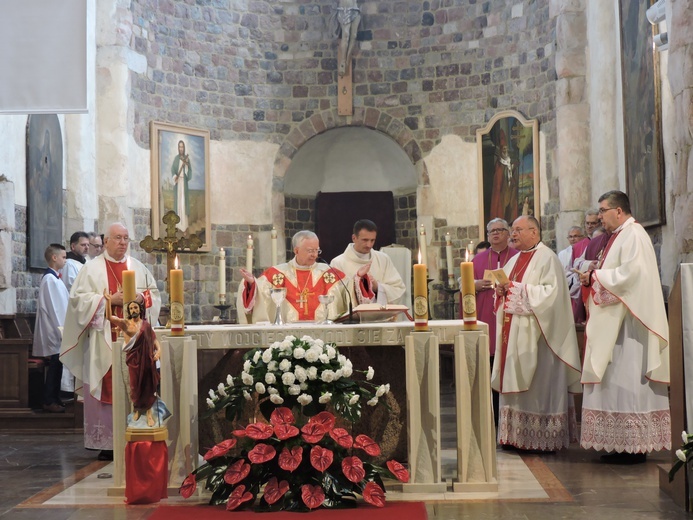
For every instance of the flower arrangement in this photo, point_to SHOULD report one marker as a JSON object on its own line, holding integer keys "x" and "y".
{"x": 298, "y": 462}
{"x": 684, "y": 454}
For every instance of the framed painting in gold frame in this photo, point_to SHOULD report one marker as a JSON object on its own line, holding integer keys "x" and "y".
{"x": 180, "y": 179}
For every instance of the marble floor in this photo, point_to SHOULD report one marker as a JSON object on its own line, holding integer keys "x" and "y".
{"x": 53, "y": 477}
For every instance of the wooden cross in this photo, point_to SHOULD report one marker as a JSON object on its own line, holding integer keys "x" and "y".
{"x": 345, "y": 90}
{"x": 171, "y": 244}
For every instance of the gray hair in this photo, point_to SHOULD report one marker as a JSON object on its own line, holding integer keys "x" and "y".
{"x": 591, "y": 212}
{"x": 301, "y": 236}
{"x": 497, "y": 220}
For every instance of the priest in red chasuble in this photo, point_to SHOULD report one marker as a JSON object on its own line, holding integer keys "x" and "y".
{"x": 537, "y": 362}
{"x": 88, "y": 337}
{"x": 304, "y": 280}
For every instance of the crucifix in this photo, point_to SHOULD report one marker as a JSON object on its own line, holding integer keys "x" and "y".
{"x": 171, "y": 244}
{"x": 348, "y": 16}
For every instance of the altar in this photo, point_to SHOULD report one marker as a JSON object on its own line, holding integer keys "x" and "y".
{"x": 475, "y": 431}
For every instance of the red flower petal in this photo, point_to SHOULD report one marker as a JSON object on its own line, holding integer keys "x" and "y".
{"x": 374, "y": 494}
{"x": 321, "y": 458}
{"x": 236, "y": 472}
{"x": 259, "y": 431}
{"x": 220, "y": 449}
{"x": 188, "y": 486}
{"x": 282, "y": 415}
{"x": 325, "y": 418}
{"x": 237, "y": 497}
{"x": 274, "y": 491}
{"x": 285, "y": 431}
{"x": 367, "y": 444}
{"x": 261, "y": 453}
{"x": 312, "y": 496}
{"x": 313, "y": 432}
{"x": 240, "y": 433}
{"x": 342, "y": 437}
{"x": 352, "y": 467}
{"x": 398, "y": 470}
{"x": 289, "y": 460}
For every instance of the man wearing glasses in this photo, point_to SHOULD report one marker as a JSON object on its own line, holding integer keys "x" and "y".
{"x": 95, "y": 245}
{"x": 625, "y": 408}
{"x": 304, "y": 280}
{"x": 88, "y": 338}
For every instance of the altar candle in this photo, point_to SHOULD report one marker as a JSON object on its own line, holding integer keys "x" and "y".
{"x": 422, "y": 245}
{"x": 420, "y": 296}
{"x": 448, "y": 257}
{"x": 273, "y": 236}
{"x": 469, "y": 252}
{"x": 129, "y": 289}
{"x": 222, "y": 276}
{"x": 249, "y": 254}
{"x": 468, "y": 295}
{"x": 175, "y": 277}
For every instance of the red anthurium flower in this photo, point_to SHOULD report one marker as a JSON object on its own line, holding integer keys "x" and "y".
{"x": 352, "y": 467}
{"x": 220, "y": 449}
{"x": 313, "y": 432}
{"x": 236, "y": 472}
{"x": 285, "y": 431}
{"x": 342, "y": 437}
{"x": 367, "y": 444}
{"x": 258, "y": 431}
{"x": 374, "y": 494}
{"x": 261, "y": 453}
{"x": 324, "y": 418}
{"x": 321, "y": 458}
{"x": 240, "y": 433}
{"x": 398, "y": 470}
{"x": 237, "y": 497}
{"x": 282, "y": 415}
{"x": 313, "y": 496}
{"x": 188, "y": 487}
{"x": 274, "y": 491}
{"x": 289, "y": 460}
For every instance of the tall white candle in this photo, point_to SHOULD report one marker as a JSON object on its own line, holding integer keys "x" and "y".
{"x": 273, "y": 236}
{"x": 422, "y": 244}
{"x": 448, "y": 257}
{"x": 249, "y": 255}
{"x": 222, "y": 276}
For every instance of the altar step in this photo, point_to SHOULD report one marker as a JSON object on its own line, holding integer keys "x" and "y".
{"x": 37, "y": 421}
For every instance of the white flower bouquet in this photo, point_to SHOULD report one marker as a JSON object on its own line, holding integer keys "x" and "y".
{"x": 684, "y": 454}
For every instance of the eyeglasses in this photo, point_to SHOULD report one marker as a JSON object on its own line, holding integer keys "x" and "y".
{"x": 314, "y": 251}
{"x": 604, "y": 210}
{"x": 496, "y": 231}
{"x": 120, "y": 238}
{"x": 574, "y": 236}
{"x": 97, "y": 246}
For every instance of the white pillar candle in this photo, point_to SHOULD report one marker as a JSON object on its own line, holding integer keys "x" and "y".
{"x": 422, "y": 244}
{"x": 273, "y": 236}
{"x": 448, "y": 257}
{"x": 222, "y": 276}
{"x": 249, "y": 255}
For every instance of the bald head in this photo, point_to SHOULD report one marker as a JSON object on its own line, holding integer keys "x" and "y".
{"x": 525, "y": 232}
{"x": 117, "y": 241}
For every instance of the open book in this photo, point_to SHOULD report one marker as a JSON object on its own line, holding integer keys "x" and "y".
{"x": 374, "y": 312}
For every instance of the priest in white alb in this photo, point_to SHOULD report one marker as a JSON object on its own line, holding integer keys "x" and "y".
{"x": 625, "y": 410}
{"x": 374, "y": 278}
{"x": 88, "y": 339}
{"x": 304, "y": 280}
{"x": 537, "y": 363}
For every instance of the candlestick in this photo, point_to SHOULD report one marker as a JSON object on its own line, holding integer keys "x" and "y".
{"x": 422, "y": 244}
{"x": 249, "y": 254}
{"x": 129, "y": 290}
{"x": 420, "y": 297}
{"x": 468, "y": 295}
{"x": 222, "y": 276}
{"x": 448, "y": 257}
{"x": 177, "y": 307}
{"x": 273, "y": 236}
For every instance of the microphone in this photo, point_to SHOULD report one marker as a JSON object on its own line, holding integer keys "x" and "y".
{"x": 346, "y": 289}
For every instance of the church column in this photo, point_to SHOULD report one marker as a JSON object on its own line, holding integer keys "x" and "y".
{"x": 8, "y": 296}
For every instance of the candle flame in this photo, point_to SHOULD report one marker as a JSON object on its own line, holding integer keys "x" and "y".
{"x": 175, "y": 263}
{"x": 466, "y": 255}
{"x": 419, "y": 256}
{"x": 423, "y": 230}
{"x": 127, "y": 264}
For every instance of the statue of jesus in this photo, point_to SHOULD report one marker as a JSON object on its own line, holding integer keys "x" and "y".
{"x": 348, "y": 17}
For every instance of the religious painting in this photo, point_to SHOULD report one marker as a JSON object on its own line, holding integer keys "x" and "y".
{"x": 180, "y": 180}
{"x": 642, "y": 111}
{"x": 508, "y": 157}
{"x": 44, "y": 142}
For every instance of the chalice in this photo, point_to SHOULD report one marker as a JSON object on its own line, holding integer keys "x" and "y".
{"x": 325, "y": 300}
{"x": 278, "y": 295}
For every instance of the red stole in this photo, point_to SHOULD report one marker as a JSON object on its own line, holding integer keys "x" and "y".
{"x": 114, "y": 271}
{"x": 517, "y": 273}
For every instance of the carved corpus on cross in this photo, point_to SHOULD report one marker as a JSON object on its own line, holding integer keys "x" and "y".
{"x": 347, "y": 16}
{"x": 171, "y": 244}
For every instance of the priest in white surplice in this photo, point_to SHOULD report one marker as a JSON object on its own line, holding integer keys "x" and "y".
{"x": 375, "y": 278}
{"x": 304, "y": 280}
{"x": 87, "y": 339}
{"x": 626, "y": 369}
{"x": 537, "y": 363}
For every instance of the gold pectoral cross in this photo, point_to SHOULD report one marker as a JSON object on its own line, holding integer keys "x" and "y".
{"x": 303, "y": 300}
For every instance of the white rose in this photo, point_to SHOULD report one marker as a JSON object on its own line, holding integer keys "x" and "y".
{"x": 267, "y": 355}
{"x": 372, "y": 402}
{"x": 285, "y": 365}
{"x": 303, "y": 386}
{"x": 286, "y": 345}
{"x": 272, "y": 366}
{"x": 381, "y": 391}
{"x": 354, "y": 399}
{"x": 259, "y": 388}
{"x": 327, "y": 376}
{"x": 312, "y": 373}
{"x": 299, "y": 353}
{"x": 300, "y": 373}
{"x": 288, "y": 378}
{"x": 271, "y": 390}
{"x": 270, "y": 378}
{"x": 370, "y": 373}
{"x": 684, "y": 436}
{"x": 212, "y": 394}
{"x": 276, "y": 399}
{"x": 338, "y": 373}
{"x": 331, "y": 351}
{"x": 210, "y": 403}
{"x": 307, "y": 339}
{"x": 257, "y": 356}
{"x": 247, "y": 396}
{"x": 347, "y": 371}
{"x": 290, "y": 338}
{"x": 318, "y": 343}
{"x": 294, "y": 390}
{"x": 276, "y": 345}
{"x": 312, "y": 355}
{"x": 341, "y": 358}
{"x": 247, "y": 365}
{"x": 681, "y": 455}
{"x": 304, "y": 399}
{"x": 246, "y": 378}
{"x": 229, "y": 380}
{"x": 324, "y": 358}
{"x": 221, "y": 390}
{"x": 325, "y": 398}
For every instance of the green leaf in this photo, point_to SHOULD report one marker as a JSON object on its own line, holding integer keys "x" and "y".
{"x": 674, "y": 469}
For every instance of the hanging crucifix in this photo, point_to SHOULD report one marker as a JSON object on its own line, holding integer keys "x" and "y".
{"x": 348, "y": 17}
